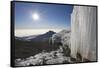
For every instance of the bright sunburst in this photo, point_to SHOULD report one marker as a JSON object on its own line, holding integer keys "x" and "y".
{"x": 35, "y": 16}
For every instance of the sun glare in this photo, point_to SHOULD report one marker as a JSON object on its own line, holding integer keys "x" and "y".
{"x": 35, "y": 16}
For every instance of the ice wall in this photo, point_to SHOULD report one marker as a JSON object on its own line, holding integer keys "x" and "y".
{"x": 83, "y": 32}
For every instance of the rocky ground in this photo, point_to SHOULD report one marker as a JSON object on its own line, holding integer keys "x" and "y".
{"x": 43, "y": 58}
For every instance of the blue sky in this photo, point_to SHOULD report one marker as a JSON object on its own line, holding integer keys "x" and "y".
{"x": 50, "y": 16}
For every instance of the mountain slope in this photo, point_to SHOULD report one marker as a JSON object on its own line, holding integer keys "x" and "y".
{"x": 43, "y": 37}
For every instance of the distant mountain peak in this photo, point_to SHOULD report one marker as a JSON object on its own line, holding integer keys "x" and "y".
{"x": 44, "y": 37}
{"x": 41, "y": 37}
{"x": 50, "y": 32}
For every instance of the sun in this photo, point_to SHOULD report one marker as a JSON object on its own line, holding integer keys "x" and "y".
{"x": 35, "y": 16}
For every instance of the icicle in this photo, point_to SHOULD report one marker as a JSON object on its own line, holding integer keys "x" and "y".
{"x": 83, "y": 32}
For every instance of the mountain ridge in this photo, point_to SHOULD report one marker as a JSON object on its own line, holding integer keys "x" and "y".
{"x": 41, "y": 37}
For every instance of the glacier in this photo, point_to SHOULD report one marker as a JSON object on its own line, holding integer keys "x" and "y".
{"x": 83, "y": 32}
{"x": 62, "y": 38}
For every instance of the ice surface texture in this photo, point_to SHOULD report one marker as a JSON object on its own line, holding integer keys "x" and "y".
{"x": 83, "y": 32}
